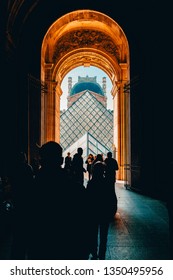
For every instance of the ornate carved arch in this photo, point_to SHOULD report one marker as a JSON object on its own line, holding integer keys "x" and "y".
{"x": 87, "y": 37}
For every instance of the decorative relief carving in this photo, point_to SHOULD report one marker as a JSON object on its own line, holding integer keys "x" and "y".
{"x": 85, "y": 39}
{"x": 83, "y": 59}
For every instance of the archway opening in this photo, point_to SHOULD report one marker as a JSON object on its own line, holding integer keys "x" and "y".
{"x": 86, "y": 112}
{"x": 87, "y": 38}
{"x": 83, "y": 71}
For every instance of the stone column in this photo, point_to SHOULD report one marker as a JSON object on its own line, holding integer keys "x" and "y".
{"x": 124, "y": 103}
{"x": 58, "y": 93}
{"x": 48, "y": 106}
{"x": 116, "y": 124}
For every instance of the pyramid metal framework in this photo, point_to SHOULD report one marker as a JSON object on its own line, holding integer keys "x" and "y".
{"x": 86, "y": 115}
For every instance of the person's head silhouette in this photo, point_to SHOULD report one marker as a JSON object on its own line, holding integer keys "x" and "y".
{"x": 80, "y": 151}
{"x": 51, "y": 153}
{"x": 109, "y": 155}
{"x": 98, "y": 170}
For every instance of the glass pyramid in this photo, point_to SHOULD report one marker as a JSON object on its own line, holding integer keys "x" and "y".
{"x": 86, "y": 115}
{"x": 89, "y": 144}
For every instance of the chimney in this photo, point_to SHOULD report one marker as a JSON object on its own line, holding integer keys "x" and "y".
{"x": 104, "y": 84}
{"x": 69, "y": 85}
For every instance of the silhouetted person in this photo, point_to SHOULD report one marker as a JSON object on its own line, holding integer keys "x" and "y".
{"x": 89, "y": 162}
{"x": 99, "y": 157}
{"x": 68, "y": 163}
{"x": 77, "y": 165}
{"x": 58, "y": 211}
{"x": 111, "y": 166}
{"x": 100, "y": 211}
{"x": 21, "y": 180}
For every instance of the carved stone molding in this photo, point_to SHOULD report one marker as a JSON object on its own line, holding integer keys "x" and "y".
{"x": 81, "y": 59}
{"x": 85, "y": 39}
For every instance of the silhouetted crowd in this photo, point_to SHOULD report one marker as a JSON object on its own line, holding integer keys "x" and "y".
{"x": 55, "y": 215}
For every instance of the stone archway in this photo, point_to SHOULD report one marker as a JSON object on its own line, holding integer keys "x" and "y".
{"x": 87, "y": 38}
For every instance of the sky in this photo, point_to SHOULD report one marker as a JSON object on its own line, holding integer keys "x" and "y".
{"x": 83, "y": 72}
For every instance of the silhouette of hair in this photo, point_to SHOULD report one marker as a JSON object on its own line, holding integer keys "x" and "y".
{"x": 99, "y": 157}
{"x": 80, "y": 151}
{"x": 98, "y": 170}
{"x": 51, "y": 152}
{"x": 109, "y": 154}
